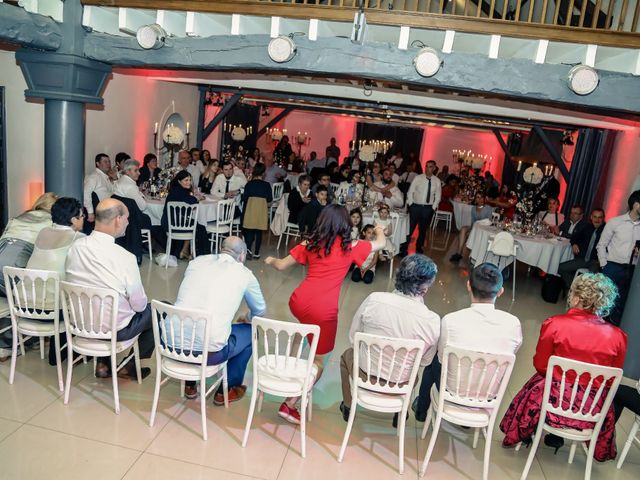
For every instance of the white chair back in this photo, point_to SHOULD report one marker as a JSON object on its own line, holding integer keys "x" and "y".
{"x": 32, "y": 294}
{"x": 495, "y": 216}
{"x": 598, "y": 392}
{"x": 334, "y": 188}
{"x": 277, "y": 189}
{"x": 502, "y": 245}
{"x": 182, "y": 217}
{"x": 89, "y": 312}
{"x": 474, "y": 379}
{"x": 224, "y": 212}
{"x": 178, "y": 331}
{"x": 268, "y": 337}
{"x": 391, "y": 364}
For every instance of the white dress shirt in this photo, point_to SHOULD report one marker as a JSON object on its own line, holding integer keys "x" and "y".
{"x": 239, "y": 173}
{"x": 551, "y": 219}
{"x": 479, "y": 328}
{"x": 395, "y": 200}
{"x": 420, "y": 187}
{"x": 97, "y": 261}
{"x": 219, "y": 187}
{"x": 393, "y": 314}
{"x": 218, "y": 284}
{"x": 126, "y": 187}
{"x": 194, "y": 170}
{"x": 618, "y": 239}
{"x": 98, "y": 182}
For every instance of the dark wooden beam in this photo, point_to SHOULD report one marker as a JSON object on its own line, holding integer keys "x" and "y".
{"x": 474, "y": 74}
{"x": 20, "y": 27}
{"x": 552, "y": 151}
{"x": 505, "y": 149}
{"x": 230, "y": 103}
{"x": 201, "y": 111}
{"x": 275, "y": 120}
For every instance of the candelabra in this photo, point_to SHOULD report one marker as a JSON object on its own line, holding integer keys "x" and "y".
{"x": 302, "y": 139}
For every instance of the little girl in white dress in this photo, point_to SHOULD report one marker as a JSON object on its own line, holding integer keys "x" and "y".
{"x": 384, "y": 219}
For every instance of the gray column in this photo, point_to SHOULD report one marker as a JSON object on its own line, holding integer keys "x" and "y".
{"x": 64, "y": 147}
{"x": 631, "y": 325}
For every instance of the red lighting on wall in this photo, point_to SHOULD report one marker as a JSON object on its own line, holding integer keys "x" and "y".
{"x": 36, "y": 188}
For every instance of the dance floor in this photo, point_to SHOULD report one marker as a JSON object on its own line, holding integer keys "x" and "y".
{"x": 40, "y": 437}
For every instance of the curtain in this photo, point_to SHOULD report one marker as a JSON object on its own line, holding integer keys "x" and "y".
{"x": 247, "y": 116}
{"x": 406, "y": 139}
{"x": 589, "y": 169}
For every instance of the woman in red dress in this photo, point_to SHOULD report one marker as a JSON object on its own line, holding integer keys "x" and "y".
{"x": 328, "y": 253}
{"x": 580, "y": 334}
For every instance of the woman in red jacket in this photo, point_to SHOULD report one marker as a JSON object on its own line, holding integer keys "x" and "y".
{"x": 580, "y": 334}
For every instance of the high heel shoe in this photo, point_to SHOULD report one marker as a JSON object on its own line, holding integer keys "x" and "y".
{"x": 553, "y": 441}
{"x": 185, "y": 256}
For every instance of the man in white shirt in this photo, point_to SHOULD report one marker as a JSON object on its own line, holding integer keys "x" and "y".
{"x": 228, "y": 185}
{"x": 126, "y": 186}
{"x": 400, "y": 314}
{"x": 98, "y": 182}
{"x": 96, "y": 261}
{"x": 184, "y": 162}
{"x": 423, "y": 199}
{"x": 219, "y": 283}
{"x": 618, "y": 251}
{"x": 238, "y": 168}
{"x": 391, "y": 195}
{"x": 480, "y": 328}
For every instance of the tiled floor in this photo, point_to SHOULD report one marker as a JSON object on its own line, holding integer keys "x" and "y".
{"x": 42, "y": 438}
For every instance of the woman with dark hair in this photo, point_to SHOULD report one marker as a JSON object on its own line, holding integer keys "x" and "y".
{"x": 255, "y": 218}
{"x": 179, "y": 191}
{"x": 580, "y": 334}
{"x": 282, "y": 151}
{"x": 149, "y": 171}
{"x": 328, "y": 253}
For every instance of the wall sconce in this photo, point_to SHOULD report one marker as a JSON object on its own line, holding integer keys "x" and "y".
{"x": 151, "y": 36}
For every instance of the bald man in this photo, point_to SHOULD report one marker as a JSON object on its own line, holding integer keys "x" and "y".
{"x": 96, "y": 261}
{"x": 219, "y": 283}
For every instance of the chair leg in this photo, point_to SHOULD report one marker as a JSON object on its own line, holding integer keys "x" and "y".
{"x": 432, "y": 444}
{"x": 627, "y": 445}
{"x": 203, "y": 406}
{"x": 114, "y": 381}
{"x": 21, "y": 341}
{"x": 56, "y": 340}
{"x": 310, "y": 405}
{"x": 136, "y": 359}
{"x": 592, "y": 447}
{"x": 303, "y": 425}
{"x": 427, "y": 422}
{"x": 279, "y": 241}
{"x": 513, "y": 288}
{"x": 14, "y": 355}
{"x": 225, "y": 387}
{"x": 167, "y": 252}
{"x": 67, "y": 388}
{"x": 487, "y": 451}
{"x": 476, "y": 435}
{"x": 347, "y": 432}
{"x": 181, "y": 388}
{"x": 193, "y": 245}
{"x": 534, "y": 447}
{"x": 252, "y": 408}
{"x": 572, "y": 452}
{"x": 156, "y": 393}
{"x": 41, "y": 341}
{"x": 401, "y": 429}
{"x": 260, "y": 398}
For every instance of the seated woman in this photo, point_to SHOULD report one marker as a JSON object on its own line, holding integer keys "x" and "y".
{"x": 505, "y": 203}
{"x": 552, "y": 217}
{"x": 179, "y": 191}
{"x": 208, "y": 176}
{"x": 449, "y": 191}
{"x": 627, "y": 397}
{"x": 479, "y": 212}
{"x": 149, "y": 171}
{"x": 580, "y": 334}
{"x": 16, "y": 243}
{"x": 50, "y": 252}
{"x": 342, "y": 175}
{"x": 351, "y": 189}
{"x": 367, "y": 270}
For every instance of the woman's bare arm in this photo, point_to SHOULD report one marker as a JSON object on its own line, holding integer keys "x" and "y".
{"x": 280, "y": 264}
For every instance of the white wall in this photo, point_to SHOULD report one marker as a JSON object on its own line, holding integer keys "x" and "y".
{"x": 132, "y": 104}
{"x": 25, "y": 136}
{"x": 624, "y": 172}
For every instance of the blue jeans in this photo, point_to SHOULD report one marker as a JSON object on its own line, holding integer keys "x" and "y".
{"x": 430, "y": 376}
{"x": 236, "y": 353}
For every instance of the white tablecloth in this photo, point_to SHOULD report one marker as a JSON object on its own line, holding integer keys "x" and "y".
{"x": 462, "y": 213}
{"x": 206, "y": 211}
{"x": 543, "y": 253}
{"x": 293, "y": 179}
{"x": 399, "y": 235}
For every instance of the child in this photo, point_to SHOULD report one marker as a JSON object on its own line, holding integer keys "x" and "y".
{"x": 384, "y": 219}
{"x": 256, "y": 197}
{"x": 356, "y": 223}
{"x": 368, "y": 269}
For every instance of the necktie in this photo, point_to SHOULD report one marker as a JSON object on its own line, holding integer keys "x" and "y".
{"x": 226, "y": 189}
{"x": 428, "y": 192}
{"x": 592, "y": 243}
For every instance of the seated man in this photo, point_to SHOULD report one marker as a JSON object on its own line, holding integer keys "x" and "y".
{"x": 311, "y": 211}
{"x": 275, "y": 174}
{"x": 96, "y": 261}
{"x": 552, "y": 217}
{"x": 480, "y": 328}
{"x": 400, "y": 314}
{"x": 387, "y": 190}
{"x": 219, "y": 283}
{"x": 583, "y": 244}
{"x": 298, "y": 198}
{"x": 126, "y": 186}
{"x": 572, "y": 225}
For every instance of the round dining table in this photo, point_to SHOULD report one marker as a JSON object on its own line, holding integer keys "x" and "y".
{"x": 462, "y": 213}
{"x": 207, "y": 210}
{"x": 545, "y": 253}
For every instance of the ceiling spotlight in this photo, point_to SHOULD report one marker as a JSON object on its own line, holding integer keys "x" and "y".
{"x": 281, "y": 49}
{"x": 583, "y": 79}
{"x": 427, "y": 62}
{"x": 151, "y": 36}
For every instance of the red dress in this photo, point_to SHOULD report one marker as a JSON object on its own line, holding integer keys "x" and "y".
{"x": 578, "y": 335}
{"x": 315, "y": 301}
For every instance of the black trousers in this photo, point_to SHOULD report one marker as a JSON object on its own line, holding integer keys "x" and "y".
{"x": 357, "y": 276}
{"x": 419, "y": 215}
{"x": 626, "y": 397}
{"x": 251, "y": 234}
{"x": 430, "y": 376}
{"x": 140, "y": 324}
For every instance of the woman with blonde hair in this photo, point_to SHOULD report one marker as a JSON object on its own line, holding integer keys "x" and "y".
{"x": 208, "y": 176}
{"x": 16, "y": 243}
{"x": 580, "y": 334}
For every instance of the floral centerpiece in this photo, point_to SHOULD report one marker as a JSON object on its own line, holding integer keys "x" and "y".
{"x": 160, "y": 188}
{"x": 469, "y": 187}
{"x": 173, "y": 138}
